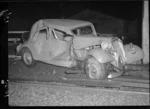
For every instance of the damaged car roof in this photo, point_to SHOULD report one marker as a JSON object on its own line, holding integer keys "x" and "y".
{"x": 61, "y": 24}
{"x": 65, "y": 22}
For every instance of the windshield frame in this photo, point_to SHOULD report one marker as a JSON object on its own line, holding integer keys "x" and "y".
{"x": 65, "y": 34}
{"x": 81, "y": 27}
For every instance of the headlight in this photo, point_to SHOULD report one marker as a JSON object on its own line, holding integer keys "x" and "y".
{"x": 132, "y": 49}
{"x": 105, "y": 45}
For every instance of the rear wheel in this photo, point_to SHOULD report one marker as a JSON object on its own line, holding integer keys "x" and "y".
{"x": 94, "y": 69}
{"x": 27, "y": 58}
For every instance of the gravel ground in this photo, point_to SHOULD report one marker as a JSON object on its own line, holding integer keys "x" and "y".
{"x": 37, "y": 94}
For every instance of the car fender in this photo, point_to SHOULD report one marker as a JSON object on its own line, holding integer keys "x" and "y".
{"x": 101, "y": 55}
{"x": 32, "y": 49}
{"x": 133, "y": 53}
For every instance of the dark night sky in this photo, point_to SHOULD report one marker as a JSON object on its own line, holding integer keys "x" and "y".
{"x": 29, "y": 12}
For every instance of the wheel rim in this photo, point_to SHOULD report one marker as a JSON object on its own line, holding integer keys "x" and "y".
{"x": 27, "y": 58}
{"x": 93, "y": 72}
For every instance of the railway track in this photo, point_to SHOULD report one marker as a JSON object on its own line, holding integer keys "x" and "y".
{"x": 105, "y": 84}
{"x": 120, "y": 83}
{"x": 79, "y": 78}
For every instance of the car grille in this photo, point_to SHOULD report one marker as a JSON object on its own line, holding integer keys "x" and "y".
{"x": 118, "y": 48}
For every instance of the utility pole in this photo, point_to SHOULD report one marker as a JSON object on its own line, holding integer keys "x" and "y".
{"x": 145, "y": 31}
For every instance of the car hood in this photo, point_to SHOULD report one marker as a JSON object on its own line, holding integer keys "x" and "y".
{"x": 80, "y": 42}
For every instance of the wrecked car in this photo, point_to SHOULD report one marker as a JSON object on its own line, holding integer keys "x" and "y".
{"x": 74, "y": 44}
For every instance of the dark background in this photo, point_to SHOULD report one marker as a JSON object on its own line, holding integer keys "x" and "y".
{"x": 29, "y": 12}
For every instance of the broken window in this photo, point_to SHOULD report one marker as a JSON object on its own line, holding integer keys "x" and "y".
{"x": 85, "y": 30}
{"x": 43, "y": 33}
{"x": 59, "y": 34}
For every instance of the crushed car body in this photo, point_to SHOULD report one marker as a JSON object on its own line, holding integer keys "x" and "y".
{"x": 71, "y": 43}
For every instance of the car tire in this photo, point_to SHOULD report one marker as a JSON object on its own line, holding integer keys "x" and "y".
{"x": 27, "y": 57}
{"x": 94, "y": 69}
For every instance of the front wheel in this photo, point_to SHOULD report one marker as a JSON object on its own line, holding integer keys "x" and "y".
{"x": 27, "y": 58}
{"x": 94, "y": 69}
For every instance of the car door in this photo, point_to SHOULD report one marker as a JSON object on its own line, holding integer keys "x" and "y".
{"x": 42, "y": 45}
{"x": 59, "y": 47}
